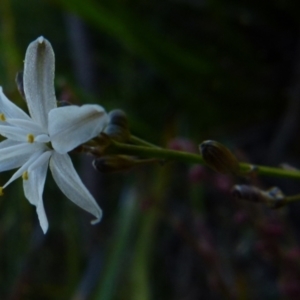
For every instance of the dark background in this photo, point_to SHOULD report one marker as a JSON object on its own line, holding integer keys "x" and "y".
{"x": 184, "y": 71}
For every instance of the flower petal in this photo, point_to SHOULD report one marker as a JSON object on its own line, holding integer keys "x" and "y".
{"x": 33, "y": 190}
{"x": 8, "y": 143}
{"x": 71, "y": 126}
{"x": 17, "y": 133}
{"x": 15, "y": 154}
{"x": 11, "y": 161}
{"x": 33, "y": 159}
{"x": 41, "y": 160}
{"x": 39, "y": 80}
{"x": 29, "y": 125}
{"x": 71, "y": 185}
{"x": 9, "y": 109}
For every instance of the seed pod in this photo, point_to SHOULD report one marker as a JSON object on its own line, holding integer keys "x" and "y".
{"x": 20, "y": 85}
{"x": 218, "y": 157}
{"x": 117, "y": 127}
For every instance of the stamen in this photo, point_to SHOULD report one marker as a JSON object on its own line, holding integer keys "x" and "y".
{"x": 2, "y": 117}
{"x": 30, "y": 138}
{"x": 1, "y": 191}
{"x": 25, "y": 175}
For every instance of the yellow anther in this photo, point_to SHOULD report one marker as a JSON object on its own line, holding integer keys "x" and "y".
{"x": 1, "y": 191}
{"x": 2, "y": 117}
{"x": 30, "y": 138}
{"x": 25, "y": 175}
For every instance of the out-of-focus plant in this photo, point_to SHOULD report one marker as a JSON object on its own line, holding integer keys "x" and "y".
{"x": 171, "y": 228}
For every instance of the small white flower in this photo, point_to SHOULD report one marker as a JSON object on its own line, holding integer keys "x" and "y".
{"x": 47, "y": 136}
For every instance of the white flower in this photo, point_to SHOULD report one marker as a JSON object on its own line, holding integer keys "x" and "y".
{"x": 45, "y": 138}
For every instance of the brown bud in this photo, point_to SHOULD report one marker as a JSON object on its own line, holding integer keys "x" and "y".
{"x": 247, "y": 192}
{"x": 278, "y": 197}
{"x": 273, "y": 197}
{"x": 118, "y": 117}
{"x": 218, "y": 157}
{"x": 117, "y": 127}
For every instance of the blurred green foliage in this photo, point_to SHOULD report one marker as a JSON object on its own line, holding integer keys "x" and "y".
{"x": 196, "y": 68}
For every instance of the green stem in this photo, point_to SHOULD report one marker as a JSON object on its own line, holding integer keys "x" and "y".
{"x": 290, "y": 199}
{"x": 136, "y": 140}
{"x": 245, "y": 168}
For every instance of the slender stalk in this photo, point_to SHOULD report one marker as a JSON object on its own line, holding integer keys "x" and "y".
{"x": 290, "y": 199}
{"x": 138, "y": 141}
{"x": 120, "y": 148}
{"x": 150, "y": 152}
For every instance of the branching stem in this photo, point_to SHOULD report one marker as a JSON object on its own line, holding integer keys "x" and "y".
{"x": 148, "y": 150}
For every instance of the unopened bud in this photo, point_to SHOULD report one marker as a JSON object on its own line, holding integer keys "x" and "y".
{"x": 117, "y": 127}
{"x": 278, "y": 197}
{"x": 218, "y": 157}
{"x": 118, "y": 117}
{"x": 273, "y": 197}
{"x": 247, "y": 192}
{"x": 20, "y": 84}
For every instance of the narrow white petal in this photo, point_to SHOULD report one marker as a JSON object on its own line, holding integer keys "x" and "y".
{"x": 41, "y": 160}
{"x": 39, "y": 80}
{"x": 71, "y": 185}
{"x": 16, "y": 133}
{"x": 9, "y": 160}
{"x": 42, "y": 216}
{"x": 33, "y": 190}
{"x": 70, "y": 126}
{"x": 8, "y": 143}
{"x": 9, "y": 109}
{"x": 29, "y": 125}
{"x": 15, "y": 154}
{"x": 34, "y": 157}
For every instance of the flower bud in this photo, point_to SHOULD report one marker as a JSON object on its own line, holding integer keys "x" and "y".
{"x": 117, "y": 127}
{"x": 277, "y": 196}
{"x": 247, "y": 192}
{"x": 118, "y": 117}
{"x": 218, "y": 157}
{"x": 273, "y": 197}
